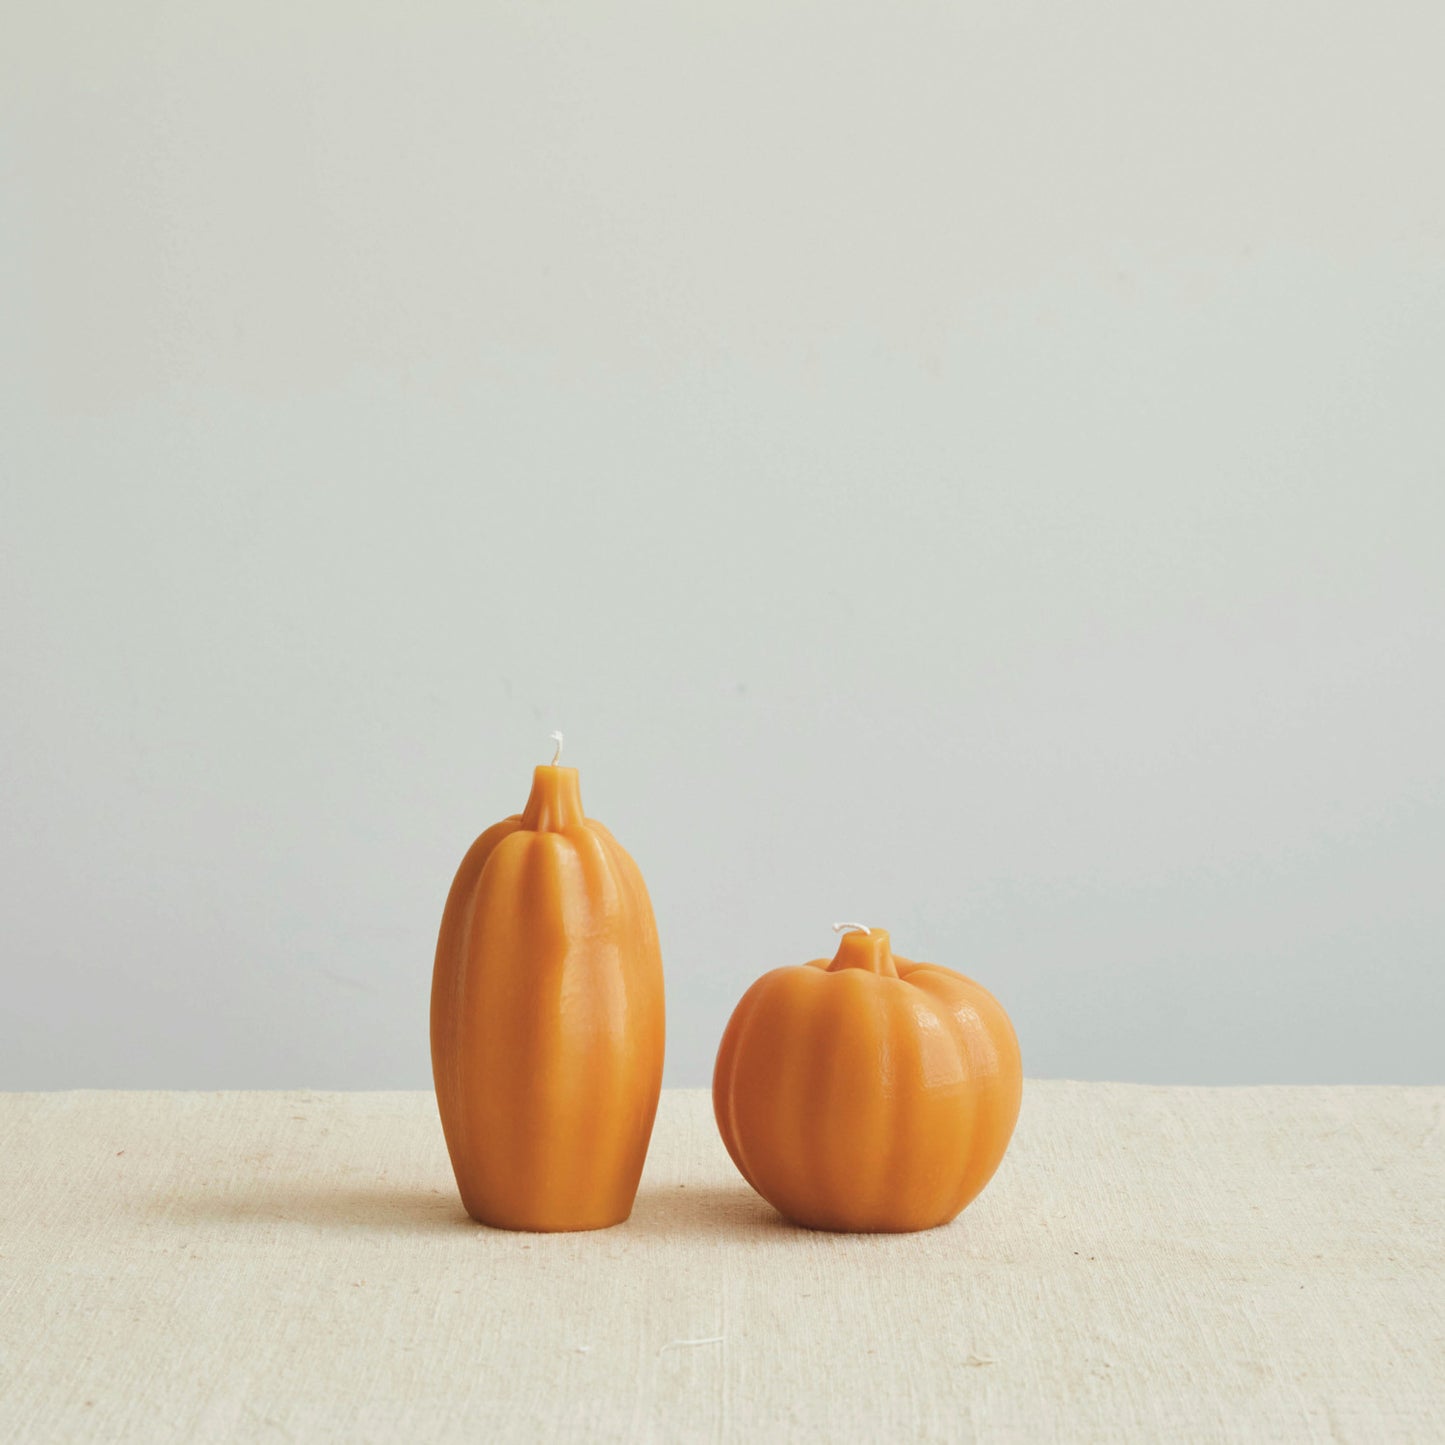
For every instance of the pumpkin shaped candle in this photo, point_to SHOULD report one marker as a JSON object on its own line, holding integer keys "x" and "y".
{"x": 867, "y": 1093}
{"x": 547, "y": 1018}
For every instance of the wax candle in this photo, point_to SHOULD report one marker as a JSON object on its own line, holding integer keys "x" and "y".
{"x": 547, "y": 1017}
{"x": 867, "y": 1092}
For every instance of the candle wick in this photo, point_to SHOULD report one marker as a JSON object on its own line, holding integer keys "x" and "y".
{"x": 556, "y": 738}
{"x": 851, "y": 928}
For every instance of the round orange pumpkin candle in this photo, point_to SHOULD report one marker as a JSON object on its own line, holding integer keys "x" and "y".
{"x": 547, "y": 1018}
{"x": 867, "y": 1093}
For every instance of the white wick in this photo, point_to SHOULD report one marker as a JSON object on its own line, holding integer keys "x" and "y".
{"x": 556, "y": 738}
{"x": 851, "y": 928}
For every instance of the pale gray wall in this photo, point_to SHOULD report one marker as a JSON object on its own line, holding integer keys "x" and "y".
{"x": 974, "y": 467}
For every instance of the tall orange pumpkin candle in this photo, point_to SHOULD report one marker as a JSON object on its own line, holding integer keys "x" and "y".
{"x": 866, "y": 1092}
{"x": 547, "y": 1018}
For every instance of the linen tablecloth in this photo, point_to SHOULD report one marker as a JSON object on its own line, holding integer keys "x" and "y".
{"x": 1149, "y": 1263}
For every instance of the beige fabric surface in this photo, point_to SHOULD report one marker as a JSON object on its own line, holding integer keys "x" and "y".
{"x": 1149, "y": 1264}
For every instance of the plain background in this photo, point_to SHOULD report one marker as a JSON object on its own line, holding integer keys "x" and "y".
{"x": 974, "y": 467}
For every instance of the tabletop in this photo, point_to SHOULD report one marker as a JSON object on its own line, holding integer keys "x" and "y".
{"x": 1150, "y": 1263}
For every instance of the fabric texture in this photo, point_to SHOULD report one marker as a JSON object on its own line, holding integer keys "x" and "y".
{"x": 1149, "y": 1263}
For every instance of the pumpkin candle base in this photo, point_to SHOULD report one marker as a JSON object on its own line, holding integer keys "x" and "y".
{"x": 546, "y": 1224}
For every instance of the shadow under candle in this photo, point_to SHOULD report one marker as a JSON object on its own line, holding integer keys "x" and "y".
{"x": 378, "y": 1207}
{"x": 675, "y": 1211}
{"x": 720, "y": 1212}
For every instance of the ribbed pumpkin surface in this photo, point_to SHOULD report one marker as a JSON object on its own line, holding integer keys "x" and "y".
{"x": 867, "y": 1093}
{"x": 547, "y": 1019}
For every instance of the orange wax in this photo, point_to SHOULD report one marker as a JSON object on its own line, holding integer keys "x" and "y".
{"x": 866, "y": 1092}
{"x": 547, "y": 1018}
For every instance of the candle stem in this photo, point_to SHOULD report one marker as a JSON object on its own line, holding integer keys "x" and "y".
{"x": 865, "y": 948}
{"x": 555, "y": 802}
